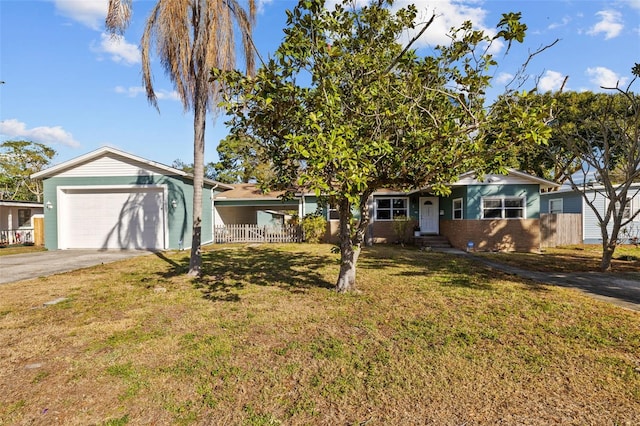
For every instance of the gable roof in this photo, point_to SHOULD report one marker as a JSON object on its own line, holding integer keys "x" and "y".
{"x": 513, "y": 177}
{"x": 248, "y": 191}
{"x": 104, "y": 151}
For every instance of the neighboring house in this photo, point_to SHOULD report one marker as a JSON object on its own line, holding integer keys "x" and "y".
{"x": 501, "y": 212}
{"x": 567, "y": 200}
{"x": 16, "y": 220}
{"x": 109, "y": 199}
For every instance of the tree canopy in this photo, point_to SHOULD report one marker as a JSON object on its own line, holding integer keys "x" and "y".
{"x": 603, "y": 143}
{"x": 18, "y": 161}
{"x": 344, "y": 109}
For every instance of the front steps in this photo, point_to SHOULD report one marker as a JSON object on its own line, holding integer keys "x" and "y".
{"x": 433, "y": 241}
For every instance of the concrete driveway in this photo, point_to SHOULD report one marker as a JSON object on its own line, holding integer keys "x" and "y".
{"x": 18, "y": 267}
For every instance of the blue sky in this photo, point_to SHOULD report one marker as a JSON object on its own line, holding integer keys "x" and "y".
{"x": 71, "y": 87}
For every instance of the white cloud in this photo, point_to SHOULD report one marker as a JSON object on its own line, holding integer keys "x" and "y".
{"x": 503, "y": 78}
{"x": 167, "y": 95}
{"x": 550, "y": 81}
{"x": 610, "y": 24}
{"x": 634, "y": 3}
{"x": 262, "y": 4}
{"x": 118, "y": 48}
{"x": 88, "y": 12}
{"x": 449, "y": 14}
{"x": 133, "y": 92}
{"x": 13, "y": 128}
{"x": 565, "y": 21}
{"x": 604, "y": 77}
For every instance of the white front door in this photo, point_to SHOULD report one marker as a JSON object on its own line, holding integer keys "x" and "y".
{"x": 429, "y": 215}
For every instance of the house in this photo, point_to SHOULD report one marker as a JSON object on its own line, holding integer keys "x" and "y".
{"x": 567, "y": 200}
{"x": 16, "y": 221}
{"x": 110, "y": 199}
{"x": 495, "y": 212}
{"x": 498, "y": 212}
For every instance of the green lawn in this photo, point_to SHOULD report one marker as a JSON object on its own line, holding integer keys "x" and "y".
{"x": 19, "y": 249}
{"x": 262, "y": 340}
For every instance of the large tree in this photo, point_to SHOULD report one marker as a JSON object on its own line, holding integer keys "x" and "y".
{"x": 191, "y": 37}
{"x": 241, "y": 160}
{"x": 18, "y": 161}
{"x": 605, "y": 141}
{"x": 345, "y": 108}
{"x": 594, "y": 147}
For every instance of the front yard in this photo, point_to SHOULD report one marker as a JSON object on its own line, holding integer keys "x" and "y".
{"x": 577, "y": 258}
{"x": 261, "y": 340}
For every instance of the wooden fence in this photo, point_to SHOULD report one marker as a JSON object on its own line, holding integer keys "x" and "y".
{"x": 560, "y": 229}
{"x": 257, "y": 234}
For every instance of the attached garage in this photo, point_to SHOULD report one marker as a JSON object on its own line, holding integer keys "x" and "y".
{"x": 110, "y": 199}
{"x": 112, "y": 217}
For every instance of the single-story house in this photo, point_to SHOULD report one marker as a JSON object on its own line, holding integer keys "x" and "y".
{"x": 499, "y": 212}
{"x": 110, "y": 199}
{"x": 567, "y": 200}
{"x": 16, "y": 220}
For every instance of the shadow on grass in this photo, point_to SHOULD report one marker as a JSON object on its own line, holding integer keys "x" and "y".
{"x": 177, "y": 268}
{"x": 439, "y": 268}
{"x": 226, "y": 272}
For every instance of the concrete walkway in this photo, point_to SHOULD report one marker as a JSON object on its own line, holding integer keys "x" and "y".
{"x": 18, "y": 267}
{"x": 602, "y": 286}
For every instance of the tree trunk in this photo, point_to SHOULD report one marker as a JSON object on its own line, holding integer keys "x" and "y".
{"x": 199, "y": 124}
{"x": 610, "y": 242}
{"x": 350, "y": 243}
{"x": 607, "y": 255}
{"x": 348, "y": 259}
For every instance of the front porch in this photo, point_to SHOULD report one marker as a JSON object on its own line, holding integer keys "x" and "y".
{"x": 9, "y": 237}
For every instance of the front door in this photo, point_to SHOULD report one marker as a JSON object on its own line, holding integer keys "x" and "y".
{"x": 429, "y": 215}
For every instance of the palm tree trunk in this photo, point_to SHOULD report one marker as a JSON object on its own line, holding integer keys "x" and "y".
{"x": 199, "y": 124}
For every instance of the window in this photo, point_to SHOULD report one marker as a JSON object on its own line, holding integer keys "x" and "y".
{"x": 332, "y": 212}
{"x": 457, "y": 208}
{"x": 503, "y": 208}
{"x": 626, "y": 213}
{"x": 555, "y": 206}
{"x": 391, "y": 208}
{"x": 24, "y": 216}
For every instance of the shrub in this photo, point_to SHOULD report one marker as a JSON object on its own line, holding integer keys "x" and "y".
{"x": 401, "y": 226}
{"x": 314, "y": 227}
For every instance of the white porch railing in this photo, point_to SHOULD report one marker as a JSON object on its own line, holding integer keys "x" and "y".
{"x": 257, "y": 234}
{"x": 16, "y": 236}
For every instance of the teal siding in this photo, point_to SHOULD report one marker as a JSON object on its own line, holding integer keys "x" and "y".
{"x": 310, "y": 204}
{"x": 571, "y": 201}
{"x": 179, "y": 218}
{"x": 446, "y": 203}
{"x": 475, "y": 193}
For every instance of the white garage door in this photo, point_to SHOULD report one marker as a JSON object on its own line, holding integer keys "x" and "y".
{"x": 112, "y": 218}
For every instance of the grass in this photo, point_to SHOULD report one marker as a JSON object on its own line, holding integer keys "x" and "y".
{"x": 576, "y": 258}
{"x": 19, "y": 249}
{"x": 261, "y": 340}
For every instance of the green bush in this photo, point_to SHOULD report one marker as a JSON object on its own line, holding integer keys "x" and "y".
{"x": 401, "y": 225}
{"x": 314, "y": 227}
